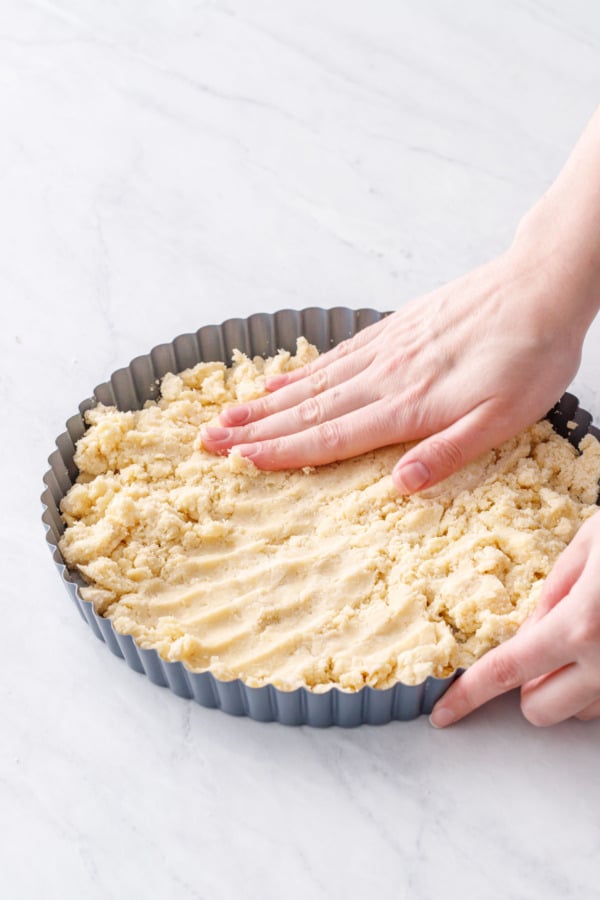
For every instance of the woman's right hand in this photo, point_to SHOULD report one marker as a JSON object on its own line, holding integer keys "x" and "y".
{"x": 460, "y": 370}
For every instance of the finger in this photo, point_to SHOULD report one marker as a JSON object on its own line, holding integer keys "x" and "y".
{"x": 589, "y": 712}
{"x": 559, "y": 696}
{"x": 444, "y": 453}
{"x": 564, "y": 574}
{"x": 334, "y": 403}
{"x": 349, "y": 435}
{"x": 340, "y": 351}
{"x": 312, "y": 385}
{"x": 531, "y": 653}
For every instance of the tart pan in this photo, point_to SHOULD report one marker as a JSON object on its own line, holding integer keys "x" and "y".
{"x": 262, "y": 334}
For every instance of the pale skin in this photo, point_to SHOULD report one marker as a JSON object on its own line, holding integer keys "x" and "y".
{"x": 460, "y": 371}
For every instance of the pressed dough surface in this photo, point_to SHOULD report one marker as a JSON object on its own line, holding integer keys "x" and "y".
{"x": 318, "y": 577}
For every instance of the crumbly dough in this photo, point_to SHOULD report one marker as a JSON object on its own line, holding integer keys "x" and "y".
{"x": 318, "y": 577}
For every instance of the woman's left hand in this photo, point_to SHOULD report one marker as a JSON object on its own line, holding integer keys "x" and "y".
{"x": 555, "y": 656}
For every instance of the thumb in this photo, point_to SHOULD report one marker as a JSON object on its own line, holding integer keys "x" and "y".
{"x": 444, "y": 453}
{"x": 565, "y": 573}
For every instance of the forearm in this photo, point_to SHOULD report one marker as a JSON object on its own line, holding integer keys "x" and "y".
{"x": 562, "y": 231}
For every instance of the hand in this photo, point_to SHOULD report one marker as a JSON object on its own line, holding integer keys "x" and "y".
{"x": 554, "y": 657}
{"x": 461, "y": 370}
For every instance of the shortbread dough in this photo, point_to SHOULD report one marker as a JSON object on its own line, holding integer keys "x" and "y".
{"x": 317, "y": 577}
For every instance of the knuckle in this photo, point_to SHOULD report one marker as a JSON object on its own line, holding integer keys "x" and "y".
{"x": 270, "y": 452}
{"x": 304, "y": 371}
{"x": 505, "y": 671}
{"x": 464, "y": 697}
{"x": 253, "y": 431}
{"x": 408, "y": 406}
{"x": 319, "y": 381}
{"x": 265, "y": 406}
{"x": 249, "y": 433}
{"x": 343, "y": 348}
{"x": 446, "y": 454}
{"x": 391, "y": 369}
{"x": 257, "y": 410}
{"x": 330, "y": 435}
{"x": 309, "y": 412}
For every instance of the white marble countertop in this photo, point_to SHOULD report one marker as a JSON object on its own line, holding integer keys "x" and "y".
{"x": 168, "y": 165}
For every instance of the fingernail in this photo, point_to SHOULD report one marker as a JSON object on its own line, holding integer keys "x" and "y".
{"x": 412, "y": 477}
{"x": 439, "y": 718}
{"x": 215, "y": 434}
{"x": 235, "y": 415}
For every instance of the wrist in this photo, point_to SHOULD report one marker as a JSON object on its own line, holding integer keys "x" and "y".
{"x": 560, "y": 242}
